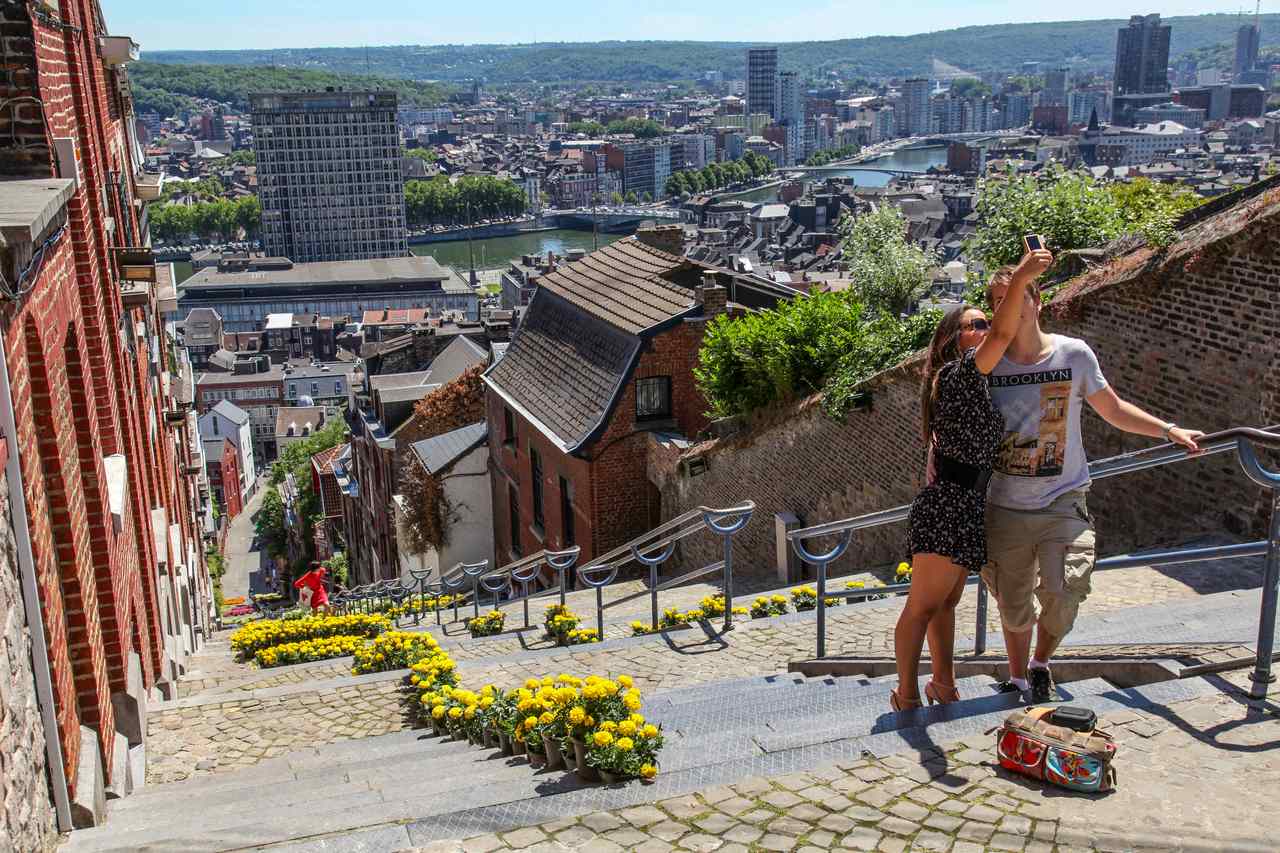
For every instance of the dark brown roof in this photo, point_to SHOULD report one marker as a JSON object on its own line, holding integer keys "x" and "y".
{"x": 563, "y": 370}
{"x": 627, "y": 284}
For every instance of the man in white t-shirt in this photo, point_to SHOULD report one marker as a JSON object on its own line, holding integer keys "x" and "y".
{"x": 1040, "y": 538}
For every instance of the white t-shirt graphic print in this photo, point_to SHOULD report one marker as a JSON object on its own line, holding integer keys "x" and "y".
{"x": 1042, "y": 454}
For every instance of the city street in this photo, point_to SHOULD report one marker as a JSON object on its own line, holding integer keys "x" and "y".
{"x": 245, "y": 562}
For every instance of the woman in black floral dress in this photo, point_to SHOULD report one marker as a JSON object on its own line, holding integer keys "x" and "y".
{"x": 962, "y": 430}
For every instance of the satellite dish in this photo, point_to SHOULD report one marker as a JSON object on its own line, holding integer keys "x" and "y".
{"x": 305, "y": 401}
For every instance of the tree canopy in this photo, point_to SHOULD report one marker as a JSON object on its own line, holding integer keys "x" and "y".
{"x": 217, "y": 218}
{"x": 888, "y": 271}
{"x": 442, "y": 200}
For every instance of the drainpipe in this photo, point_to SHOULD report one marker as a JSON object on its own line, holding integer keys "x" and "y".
{"x": 31, "y": 601}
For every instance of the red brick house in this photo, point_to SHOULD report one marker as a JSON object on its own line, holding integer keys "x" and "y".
{"x": 604, "y": 357}
{"x": 101, "y": 479}
{"x": 222, "y": 463}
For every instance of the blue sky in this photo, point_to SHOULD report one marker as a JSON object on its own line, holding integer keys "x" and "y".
{"x": 229, "y": 24}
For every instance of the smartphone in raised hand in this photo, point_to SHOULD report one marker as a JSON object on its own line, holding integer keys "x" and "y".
{"x": 1033, "y": 242}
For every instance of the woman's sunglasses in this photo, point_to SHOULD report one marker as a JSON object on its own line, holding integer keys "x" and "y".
{"x": 979, "y": 325}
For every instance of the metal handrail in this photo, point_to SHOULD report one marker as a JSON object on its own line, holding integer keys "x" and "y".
{"x": 1239, "y": 439}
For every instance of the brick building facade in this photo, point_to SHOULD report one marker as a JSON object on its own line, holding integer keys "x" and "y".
{"x": 603, "y": 360}
{"x": 222, "y": 462}
{"x": 109, "y": 489}
{"x": 1188, "y": 334}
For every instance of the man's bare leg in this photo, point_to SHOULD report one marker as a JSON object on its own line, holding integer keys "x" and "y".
{"x": 1017, "y": 646}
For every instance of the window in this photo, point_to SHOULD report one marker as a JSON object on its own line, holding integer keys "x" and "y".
{"x": 509, "y": 427}
{"x": 566, "y": 512}
{"x": 653, "y": 398}
{"x": 535, "y": 466}
{"x": 315, "y": 389}
{"x": 513, "y": 501}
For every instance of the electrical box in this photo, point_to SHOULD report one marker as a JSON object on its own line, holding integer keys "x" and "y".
{"x": 69, "y": 162}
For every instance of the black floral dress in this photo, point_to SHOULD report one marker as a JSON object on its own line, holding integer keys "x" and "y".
{"x": 947, "y": 518}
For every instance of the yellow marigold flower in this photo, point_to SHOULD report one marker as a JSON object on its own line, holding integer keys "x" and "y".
{"x": 602, "y": 738}
{"x": 626, "y": 681}
{"x": 548, "y": 681}
{"x": 589, "y": 721}
{"x": 625, "y": 744}
{"x": 455, "y": 713}
{"x": 638, "y": 719}
{"x": 470, "y": 712}
{"x": 648, "y": 771}
{"x": 577, "y": 715}
{"x": 626, "y": 728}
{"x": 486, "y": 702}
{"x": 778, "y": 599}
{"x": 532, "y": 684}
{"x": 609, "y": 726}
{"x": 547, "y": 718}
{"x": 530, "y": 722}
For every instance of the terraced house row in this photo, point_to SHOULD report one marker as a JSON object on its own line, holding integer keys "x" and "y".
{"x": 104, "y": 592}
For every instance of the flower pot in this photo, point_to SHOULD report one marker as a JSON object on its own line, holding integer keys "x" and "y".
{"x": 436, "y": 727}
{"x": 612, "y": 778}
{"x": 536, "y": 759}
{"x": 474, "y": 737}
{"x": 555, "y": 758}
{"x": 517, "y": 747}
{"x": 504, "y": 741}
{"x": 586, "y": 772}
{"x": 490, "y": 738}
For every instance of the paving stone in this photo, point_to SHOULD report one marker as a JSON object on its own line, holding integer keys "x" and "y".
{"x": 953, "y": 806}
{"x": 806, "y": 812}
{"x": 684, "y": 808}
{"x": 875, "y": 797}
{"x": 1045, "y": 830}
{"x": 776, "y": 842}
{"x": 967, "y": 847}
{"x": 787, "y": 826}
{"x": 575, "y": 835}
{"x": 1005, "y": 841}
{"x": 668, "y": 830}
{"x": 909, "y": 811}
{"x": 716, "y": 794}
{"x": 864, "y": 814}
{"x": 1004, "y": 803}
{"x": 735, "y": 805}
{"x": 626, "y": 837}
{"x": 743, "y": 834}
{"x": 862, "y": 838}
{"x": 871, "y": 774}
{"x": 892, "y": 845}
{"x": 654, "y": 845}
{"x": 757, "y": 815}
{"x": 821, "y": 838}
{"x": 601, "y": 822}
{"x": 898, "y": 826}
{"x": 927, "y": 795}
{"x": 932, "y": 841}
{"x": 986, "y": 814}
{"x": 599, "y": 845}
{"x": 781, "y": 799}
{"x": 974, "y": 831}
{"x": 753, "y": 787}
{"x": 837, "y": 823}
{"x": 1015, "y": 825}
{"x": 700, "y": 842}
{"x": 715, "y": 823}
{"x": 523, "y": 837}
{"x": 1045, "y": 847}
{"x": 482, "y": 844}
{"x": 642, "y": 816}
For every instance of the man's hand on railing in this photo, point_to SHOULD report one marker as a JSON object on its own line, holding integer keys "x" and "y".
{"x": 1188, "y": 438}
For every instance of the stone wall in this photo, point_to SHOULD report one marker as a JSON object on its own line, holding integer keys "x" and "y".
{"x": 26, "y": 807}
{"x": 1189, "y": 335}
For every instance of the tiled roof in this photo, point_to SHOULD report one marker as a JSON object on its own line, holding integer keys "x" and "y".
{"x": 440, "y": 452}
{"x": 563, "y": 369}
{"x": 395, "y": 316}
{"x": 627, "y": 284}
{"x": 323, "y": 461}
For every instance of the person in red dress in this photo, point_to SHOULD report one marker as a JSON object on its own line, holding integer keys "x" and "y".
{"x": 311, "y": 586}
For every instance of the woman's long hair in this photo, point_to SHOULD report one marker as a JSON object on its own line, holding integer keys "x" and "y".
{"x": 944, "y": 348}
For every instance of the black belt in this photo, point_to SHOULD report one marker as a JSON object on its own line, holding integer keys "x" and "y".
{"x": 961, "y": 473}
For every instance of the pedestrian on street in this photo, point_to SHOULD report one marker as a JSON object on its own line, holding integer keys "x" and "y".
{"x": 311, "y": 588}
{"x": 962, "y": 430}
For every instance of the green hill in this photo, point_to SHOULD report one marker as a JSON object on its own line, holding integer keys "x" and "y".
{"x": 1085, "y": 44}
{"x": 169, "y": 88}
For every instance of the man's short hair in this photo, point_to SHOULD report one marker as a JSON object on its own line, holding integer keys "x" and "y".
{"x": 1004, "y": 276}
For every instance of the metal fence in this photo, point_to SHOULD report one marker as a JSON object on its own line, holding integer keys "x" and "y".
{"x": 1240, "y": 440}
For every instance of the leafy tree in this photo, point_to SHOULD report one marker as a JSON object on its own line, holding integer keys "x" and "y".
{"x": 642, "y": 128}
{"x": 482, "y": 196}
{"x": 822, "y": 158}
{"x": 268, "y": 521}
{"x": 243, "y": 157}
{"x": 969, "y": 87}
{"x": 767, "y": 357}
{"x": 590, "y": 128}
{"x": 1072, "y": 210}
{"x": 888, "y": 271}
{"x": 427, "y": 155}
{"x": 338, "y": 568}
{"x": 631, "y": 198}
{"x": 616, "y": 198}
{"x": 295, "y": 459}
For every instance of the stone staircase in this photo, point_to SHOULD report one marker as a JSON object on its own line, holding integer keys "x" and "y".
{"x": 408, "y": 788}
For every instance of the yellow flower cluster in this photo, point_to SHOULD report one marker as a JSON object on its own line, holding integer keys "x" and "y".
{"x": 710, "y": 607}
{"x": 393, "y": 650}
{"x": 579, "y": 636}
{"x": 304, "y": 651}
{"x": 265, "y": 633}
{"x": 558, "y": 621}
{"x": 773, "y": 605}
{"x": 420, "y": 604}
{"x": 903, "y": 573}
{"x": 486, "y": 624}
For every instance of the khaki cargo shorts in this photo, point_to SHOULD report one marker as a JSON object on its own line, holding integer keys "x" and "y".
{"x": 1039, "y": 563}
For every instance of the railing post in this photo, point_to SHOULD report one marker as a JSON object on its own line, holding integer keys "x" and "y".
{"x": 980, "y": 630}
{"x": 820, "y": 561}
{"x": 740, "y": 515}
{"x": 1262, "y": 675}
{"x": 653, "y": 595}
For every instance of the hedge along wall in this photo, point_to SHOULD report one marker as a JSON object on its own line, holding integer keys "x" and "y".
{"x": 1188, "y": 335}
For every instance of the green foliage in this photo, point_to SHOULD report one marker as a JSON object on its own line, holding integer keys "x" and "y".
{"x": 427, "y": 155}
{"x": 295, "y": 459}
{"x": 205, "y": 189}
{"x": 590, "y": 128}
{"x": 642, "y": 128}
{"x": 981, "y": 48}
{"x": 243, "y": 157}
{"x": 822, "y": 158}
{"x": 220, "y": 218}
{"x": 338, "y": 568}
{"x": 442, "y": 200}
{"x": 969, "y": 87}
{"x": 1072, "y": 211}
{"x": 761, "y": 359}
{"x": 268, "y": 521}
{"x": 174, "y": 89}
{"x": 889, "y": 272}
{"x": 883, "y": 342}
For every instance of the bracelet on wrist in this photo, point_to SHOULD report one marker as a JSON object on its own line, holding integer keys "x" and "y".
{"x": 1169, "y": 427}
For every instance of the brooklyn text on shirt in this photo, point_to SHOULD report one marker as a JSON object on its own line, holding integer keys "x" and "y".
{"x": 1037, "y": 378}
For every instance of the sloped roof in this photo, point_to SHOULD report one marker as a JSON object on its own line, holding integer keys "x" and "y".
{"x": 231, "y": 412}
{"x": 627, "y": 284}
{"x": 456, "y": 359}
{"x": 324, "y": 460}
{"x": 438, "y": 453}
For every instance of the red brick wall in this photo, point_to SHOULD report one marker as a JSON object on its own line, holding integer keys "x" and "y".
{"x": 1193, "y": 341}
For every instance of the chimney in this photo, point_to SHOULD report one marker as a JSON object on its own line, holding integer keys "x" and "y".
{"x": 664, "y": 238}
{"x": 711, "y": 295}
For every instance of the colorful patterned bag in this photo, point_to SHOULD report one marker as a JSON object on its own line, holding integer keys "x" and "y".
{"x": 1031, "y": 744}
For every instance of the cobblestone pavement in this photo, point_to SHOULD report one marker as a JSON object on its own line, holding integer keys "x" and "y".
{"x": 222, "y": 734}
{"x": 1198, "y": 776}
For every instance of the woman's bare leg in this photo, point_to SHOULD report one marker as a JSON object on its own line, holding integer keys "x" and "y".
{"x": 933, "y": 581}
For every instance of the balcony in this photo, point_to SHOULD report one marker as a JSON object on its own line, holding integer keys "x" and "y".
{"x": 147, "y": 185}
{"x": 118, "y": 50}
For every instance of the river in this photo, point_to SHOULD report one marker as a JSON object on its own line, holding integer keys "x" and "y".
{"x": 904, "y": 159}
